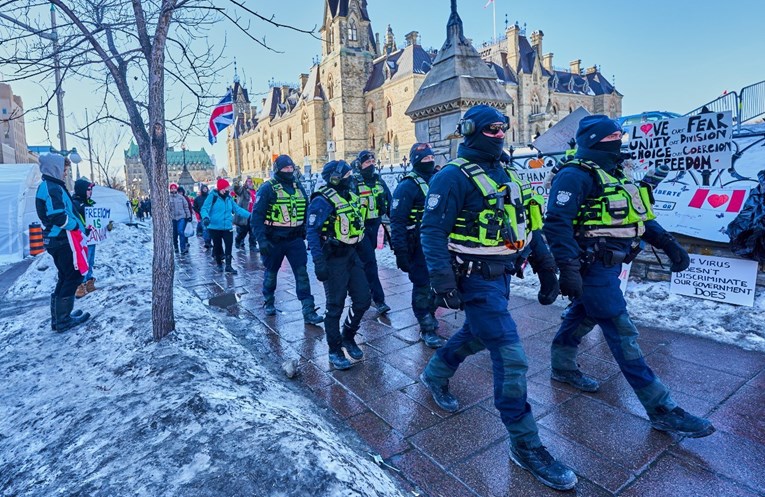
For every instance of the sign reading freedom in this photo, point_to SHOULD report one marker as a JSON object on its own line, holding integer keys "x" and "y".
{"x": 700, "y": 143}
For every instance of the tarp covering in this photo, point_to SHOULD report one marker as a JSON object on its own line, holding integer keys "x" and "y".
{"x": 18, "y": 184}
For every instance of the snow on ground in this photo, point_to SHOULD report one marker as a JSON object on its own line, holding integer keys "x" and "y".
{"x": 105, "y": 410}
{"x": 651, "y": 305}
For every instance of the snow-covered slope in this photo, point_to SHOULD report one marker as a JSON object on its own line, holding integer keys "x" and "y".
{"x": 105, "y": 410}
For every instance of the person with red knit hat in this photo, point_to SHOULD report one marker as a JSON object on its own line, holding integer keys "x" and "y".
{"x": 218, "y": 217}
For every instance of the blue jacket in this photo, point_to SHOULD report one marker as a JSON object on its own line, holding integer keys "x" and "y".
{"x": 264, "y": 200}
{"x": 407, "y": 194}
{"x": 318, "y": 212}
{"x": 220, "y": 211}
{"x": 570, "y": 188}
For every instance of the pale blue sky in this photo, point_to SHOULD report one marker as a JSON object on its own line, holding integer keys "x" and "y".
{"x": 670, "y": 55}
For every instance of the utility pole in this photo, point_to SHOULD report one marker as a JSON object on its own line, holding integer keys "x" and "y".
{"x": 57, "y": 73}
{"x": 90, "y": 149}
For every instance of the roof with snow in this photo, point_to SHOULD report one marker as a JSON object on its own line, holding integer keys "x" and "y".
{"x": 197, "y": 159}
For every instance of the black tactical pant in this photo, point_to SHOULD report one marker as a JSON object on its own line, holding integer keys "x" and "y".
{"x": 346, "y": 277}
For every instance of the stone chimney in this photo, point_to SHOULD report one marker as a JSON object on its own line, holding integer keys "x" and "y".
{"x": 576, "y": 66}
{"x": 285, "y": 92}
{"x": 513, "y": 51}
{"x": 536, "y": 41}
{"x": 592, "y": 70}
{"x": 377, "y": 41}
{"x": 303, "y": 78}
{"x": 547, "y": 61}
{"x": 411, "y": 38}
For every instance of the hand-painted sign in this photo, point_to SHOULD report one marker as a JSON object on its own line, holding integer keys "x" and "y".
{"x": 717, "y": 278}
{"x": 97, "y": 219}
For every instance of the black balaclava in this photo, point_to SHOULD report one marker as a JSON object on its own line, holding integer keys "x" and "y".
{"x": 280, "y": 163}
{"x": 367, "y": 172}
{"x": 482, "y": 115}
{"x": 592, "y": 129}
{"x": 424, "y": 168}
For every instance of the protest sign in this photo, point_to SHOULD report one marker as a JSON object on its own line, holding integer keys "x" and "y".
{"x": 717, "y": 278}
{"x": 97, "y": 219}
{"x": 557, "y": 138}
{"x": 701, "y": 142}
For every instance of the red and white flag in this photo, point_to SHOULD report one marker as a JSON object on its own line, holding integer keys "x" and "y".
{"x": 488, "y": 3}
{"x": 718, "y": 200}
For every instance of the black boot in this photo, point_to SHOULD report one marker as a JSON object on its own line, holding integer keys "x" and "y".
{"x": 310, "y": 316}
{"x": 74, "y": 314}
{"x": 219, "y": 264}
{"x": 440, "y": 393}
{"x": 543, "y": 466}
{"x": 269, "y": 308}
{"x": 428, "y": 327}
{"x": 349, "y": 344}
{"x": 229, "y": 267}
{"x": 338, "y": 360}
{"x": 679, "y": 422}
{"x": 576, "y": 379}
{"x": 64, "y": 319}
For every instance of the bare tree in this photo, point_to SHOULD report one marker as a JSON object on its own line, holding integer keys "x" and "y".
{"x": 128, "y": 49}
{"x": 102, "y": 142}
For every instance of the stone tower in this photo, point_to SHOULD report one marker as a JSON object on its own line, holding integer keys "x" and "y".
{"x": 348, "y": 50}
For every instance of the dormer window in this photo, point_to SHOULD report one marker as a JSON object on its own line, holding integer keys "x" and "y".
{"x": 353, "y": 34}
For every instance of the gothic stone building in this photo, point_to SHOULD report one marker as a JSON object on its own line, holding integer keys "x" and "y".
{"x": 356, "y": 96}
{"x": 198, "y": 163}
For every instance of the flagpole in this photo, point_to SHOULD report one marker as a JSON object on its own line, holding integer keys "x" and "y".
{"x": 494, "y": 19}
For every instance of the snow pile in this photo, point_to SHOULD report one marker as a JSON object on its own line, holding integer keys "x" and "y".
{"x": 104, "y": 410}
{"x": 651, "y": 305}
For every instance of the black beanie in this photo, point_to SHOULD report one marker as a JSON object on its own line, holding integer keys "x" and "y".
{"x": 594, "y": 128}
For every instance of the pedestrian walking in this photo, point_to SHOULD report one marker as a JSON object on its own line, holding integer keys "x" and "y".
{"x": 180, "y": 213}
{"x": 245, "y": 198}
{"x": 218, "y": 214}
{"x": 199, "y": 201}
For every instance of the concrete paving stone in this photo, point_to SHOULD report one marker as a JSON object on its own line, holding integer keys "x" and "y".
{"x": 410, "y": 335}
{"x": 743, "y": 414}
{"x": 528, "y": 326}
{"x": 699, "y": 351}
{"x": 671, "y": 476}
{"x": 380, "y": 436}
{"x": 626, "y": 439}
{"x": 427, "y": 477}
{"x": 409, "y": 362}
{"x": 537, "y": 354}
{"x": 399, "y": 301}
{"x": 404, "y": 414}
{"x": 618, "y": 393}
{"x": 758, "y": 381}
{"x": 596, "y": 367}
{"x": 387, "y": 344}
{"x": 548, "y": 314}
{"x": 657, "y": 334}
{"x": 398, "y": 319}
{"x": 460, "y": 436}
{"x": 373, "y": 329}
{"x": 470, "y": 385}
{"x": 729, "y": 455}
{"x": 515, "y": 302}
{"x": 206, "y": 290}
{"x": 543, "y": 397}
{"x": 693, "y": 379}
{"x": 372, "y": 379}
{"x": 311, "y": 348}
{"x": 404, "y": 287}
{"x": 312, "y": 376}
{"x": 340, "y": 400}
{"x": 297, "y": 330}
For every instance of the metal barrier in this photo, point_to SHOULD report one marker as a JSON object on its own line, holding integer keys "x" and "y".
{"x": 752, "y": 101}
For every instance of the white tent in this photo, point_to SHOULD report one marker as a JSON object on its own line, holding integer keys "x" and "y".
{"x": 18, "y": 185}
{"x": 114, "y": 200}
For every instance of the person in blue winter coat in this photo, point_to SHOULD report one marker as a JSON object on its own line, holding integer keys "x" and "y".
{"x": 278, "y": 226}
{"x": 61, "y": 228}
{"x": 335, "y": 228}
{"x": 405, "y": 217}
{"x": 475, "y": 225}
{"x": 375, "y": 196}
{"x": 597, "y": 219}
{"x": 218, "y": 216}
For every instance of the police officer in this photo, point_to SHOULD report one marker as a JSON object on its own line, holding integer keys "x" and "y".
{"x": 596, "y": 218}
{"x": 278, "y": 225}
{"x": 335, "y": 229}
{"x": 475, "y": 221}
{"x": 405, "y": 218}
{"x": 63, "y": 229}
{"x": 375, "y": 195}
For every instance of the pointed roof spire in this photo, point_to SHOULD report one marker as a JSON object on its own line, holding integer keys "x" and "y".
{"x": 454, "y": 26}
{"x": 236, "y": 75}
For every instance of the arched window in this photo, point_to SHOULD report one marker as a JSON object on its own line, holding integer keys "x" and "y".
{"x": 353, "y": 34}
{"x": 289, "y": 133}
{"x": 305, "y": 123}
{"x": 535, "y": 104}
{"x": 372, "y": 143}
{"x": 372, "y": 114}
{"x": 280, "y": 136}
{"x": 389, "y": 109}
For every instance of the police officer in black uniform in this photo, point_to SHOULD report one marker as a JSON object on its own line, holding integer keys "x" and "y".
{"x": 596, "y": 219}
{"x": 405, "y": 218}
{"x": 278, "y": 225}
{"x": 476, "y": 221}
{"x": 375, "y": 195}
{"x": 335, "y": 229}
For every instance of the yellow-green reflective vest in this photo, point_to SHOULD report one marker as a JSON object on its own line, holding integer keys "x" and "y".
{"x": 502, "y": 227}
{"x": 415, "y": 214}
{"x": 346, "y": 224}
{"x": 620, "y": 210}
{"x": 370, "y": 198}
{"x": 288, "y": 211}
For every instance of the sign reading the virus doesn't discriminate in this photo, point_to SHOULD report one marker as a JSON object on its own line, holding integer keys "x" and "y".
{"x": 717, "y": 278}
{"x": 701, "y": 143}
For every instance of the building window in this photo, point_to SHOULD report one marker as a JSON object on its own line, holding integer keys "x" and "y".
{"x": 372, "y": 114}
{"x": 332, "y": 118}
{"x": 535, "y": 104}
{"x": 353, "y": 34}
{"x": 280, "y": 136}
{"x": 389, "y": 109}
{"x": 372, "y": 143}
{"x": 289, "y": 134}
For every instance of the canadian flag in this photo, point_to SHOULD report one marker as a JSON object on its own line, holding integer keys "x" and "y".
{"x": 728, "y": 200}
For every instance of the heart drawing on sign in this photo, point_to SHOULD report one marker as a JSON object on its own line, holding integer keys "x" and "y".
{"x": 717, "y": 200}
{"x": 645, "y": 128}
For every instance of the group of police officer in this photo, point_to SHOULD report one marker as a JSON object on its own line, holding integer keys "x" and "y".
{"x": 460, "y": 235}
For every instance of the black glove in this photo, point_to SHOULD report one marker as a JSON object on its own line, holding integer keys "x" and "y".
{"x": 676, "y": 253}
{"x": 322, "y": 271}
{"x": 206, "y": 222}
{"x": 570, "y": 279}
{"x": 188, "y": 219}
{"x": 449, "y": 300}
{"x": 403, "y": 262}
{"x": 88, "y": 231}
{"x": 548, "y": 286}
{"x": 265, "y": 248}
{"x": 110, "y": 226}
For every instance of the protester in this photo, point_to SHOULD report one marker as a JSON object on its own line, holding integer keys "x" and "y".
{"x": 83, "y": 189}
{"x": 198, "y": 203}
{"x": 180, "y": 212}
{"x": 245, "y": 198}
{"x": 218, "y": 216}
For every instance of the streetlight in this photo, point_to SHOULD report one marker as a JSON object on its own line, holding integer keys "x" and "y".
{"x": 72, "y": 155}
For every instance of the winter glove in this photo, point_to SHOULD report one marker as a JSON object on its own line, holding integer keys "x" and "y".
{"x": 548, "y": 286}
{"x": 570, "y": 279}
{"x": 676, "y": 254}
{"x": 265, "y": 248}
{"x": 403, "y": 262}
{"x": 188, "y": 219}
{"x": 322, "y": 271}
{"x": 449, "y": 300}
{"x": 88, "y": 231}
{"x": 206, "y": 222}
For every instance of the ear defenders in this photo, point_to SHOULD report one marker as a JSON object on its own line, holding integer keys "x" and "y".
{"x": 465, "y": 127}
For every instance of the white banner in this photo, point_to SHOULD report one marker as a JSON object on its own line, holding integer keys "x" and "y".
{"x": 701, "y": 143}
{"x": 717, "y": 278}
{"x": 535, "y": 177}
{"x": 97, "y": 219}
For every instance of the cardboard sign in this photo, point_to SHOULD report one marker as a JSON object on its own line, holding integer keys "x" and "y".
{"x": 624, "y": 277}
{"x": 698, "y": 211}
{"x": 556, "y": 138}
{"x": 97, "y": 219}
{"x": 717, "y": 278}
{"x": 536, "y": 178}
{"x": 702, "y": 142}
